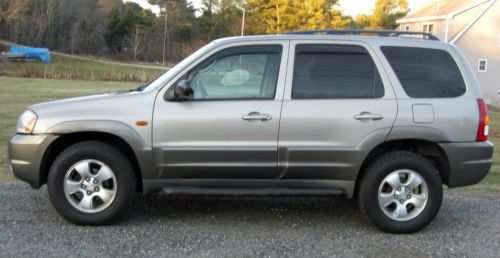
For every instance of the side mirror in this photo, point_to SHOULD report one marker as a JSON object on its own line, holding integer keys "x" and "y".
{"x": 179, "y": 92}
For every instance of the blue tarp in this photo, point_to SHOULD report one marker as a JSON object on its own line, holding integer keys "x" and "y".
{"x": 41, "y": 54}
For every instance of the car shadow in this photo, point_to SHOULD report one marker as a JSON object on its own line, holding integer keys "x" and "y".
{"x": 263, "y": 210}
{"x": 320, "y": 212}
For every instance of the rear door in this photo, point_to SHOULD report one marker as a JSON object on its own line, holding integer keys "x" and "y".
{"x": 337, "y": 106}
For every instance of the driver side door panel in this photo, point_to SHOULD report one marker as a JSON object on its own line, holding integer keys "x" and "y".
{"x": 229, "y": 128}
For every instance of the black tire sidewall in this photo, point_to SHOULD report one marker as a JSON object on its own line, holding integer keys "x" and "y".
{"x": 383, "y": 167}
{"x": 110, "y": 156}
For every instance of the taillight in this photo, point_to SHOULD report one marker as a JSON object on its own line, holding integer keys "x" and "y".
{"x": 482, "y": 131}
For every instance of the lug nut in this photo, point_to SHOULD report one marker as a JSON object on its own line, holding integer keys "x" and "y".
{"x": 402, "y": 201}
{"x": 89, "y": 192}
{"x": 96, "y": 181}
{"x": 84, "y": 186}
{"x": 87, "y": 179}
{"x": 395, "y": 196}
{"x": 406, "y": 189}
{"x": 408, "y": 197}
{"x": 399, "y": 188}
{"x": 96, "y": 189}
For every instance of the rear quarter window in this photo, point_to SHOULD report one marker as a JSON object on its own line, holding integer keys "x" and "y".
{"x": 425, "y": 72}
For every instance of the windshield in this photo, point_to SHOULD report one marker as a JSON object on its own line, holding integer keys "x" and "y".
{"x": 160, "y": 81}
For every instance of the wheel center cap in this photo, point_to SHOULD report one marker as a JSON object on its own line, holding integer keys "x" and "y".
{"x": 402, "y": 194}
{"x": 90, "y": 185}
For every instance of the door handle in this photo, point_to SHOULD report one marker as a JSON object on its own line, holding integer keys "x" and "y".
{"x": 256, "y": 116}
{"x": 363, "y": 116}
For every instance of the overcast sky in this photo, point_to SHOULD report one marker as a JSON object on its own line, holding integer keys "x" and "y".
{"x": 351, "y": 7}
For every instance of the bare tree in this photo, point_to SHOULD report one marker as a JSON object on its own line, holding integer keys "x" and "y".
{"x": 137, "y": 39}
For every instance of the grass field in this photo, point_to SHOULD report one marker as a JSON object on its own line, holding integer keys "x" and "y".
{"x": 70, "y": 68}
{"x": 18, "y": 93}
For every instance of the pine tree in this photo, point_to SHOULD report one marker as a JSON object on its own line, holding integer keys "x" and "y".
{"x": 115, "y": 32}
{"x": 278, "y": 16}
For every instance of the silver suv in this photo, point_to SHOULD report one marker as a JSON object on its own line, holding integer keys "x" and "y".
{"x": 385, "y": 119}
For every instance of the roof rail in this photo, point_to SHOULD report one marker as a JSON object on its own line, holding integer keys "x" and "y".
{"x": 380, "y": 33}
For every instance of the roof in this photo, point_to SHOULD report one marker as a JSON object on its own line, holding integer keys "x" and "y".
{"x": 441, "y": 9}
{"x": 372, "y": 40}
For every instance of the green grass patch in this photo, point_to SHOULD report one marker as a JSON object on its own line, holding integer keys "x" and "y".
{"x": 16, "y": 94}
{"x": 494, "y": 175}
{"x": 68, "y": 68}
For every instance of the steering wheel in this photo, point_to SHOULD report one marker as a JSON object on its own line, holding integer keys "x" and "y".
{"x": 199, "y": 87}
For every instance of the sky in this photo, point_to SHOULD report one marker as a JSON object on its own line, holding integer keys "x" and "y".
{"x": 355, "y": 7}
{"x": 350, "y": 7}
{"x": 145, "y": 5}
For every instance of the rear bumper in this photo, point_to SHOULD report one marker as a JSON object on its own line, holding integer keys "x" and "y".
{"x": 25, "y": 156}
{"x": 469, "y": 162}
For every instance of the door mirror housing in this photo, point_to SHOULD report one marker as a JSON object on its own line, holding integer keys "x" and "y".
{"x": 179, "y": 92}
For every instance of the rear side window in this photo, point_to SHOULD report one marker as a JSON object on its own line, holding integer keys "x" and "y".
{"x": 335, "y": 71}
{"x": 426, "y": 73}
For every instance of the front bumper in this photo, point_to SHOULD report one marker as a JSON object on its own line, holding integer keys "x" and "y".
{"x": 25, "y": 156}
{"x": 469, "y": 162}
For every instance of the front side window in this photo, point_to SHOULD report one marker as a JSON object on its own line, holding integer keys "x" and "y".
{"x": 238, "y": 73}
{"x": 335, "y": 71}
{"x": 425, "y": 72}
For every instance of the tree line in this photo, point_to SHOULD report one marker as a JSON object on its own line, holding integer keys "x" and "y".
{"x": 126, "y": 31}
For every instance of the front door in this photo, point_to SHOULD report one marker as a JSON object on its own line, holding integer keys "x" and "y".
{"x": 228, "y": 129}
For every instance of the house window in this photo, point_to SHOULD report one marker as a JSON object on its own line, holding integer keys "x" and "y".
{"x": 407, "y": 28}
{"x": 483, "y": 65}
{"x": 428, "y": 28}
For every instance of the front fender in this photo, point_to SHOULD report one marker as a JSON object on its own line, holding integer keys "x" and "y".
{"x": 141, "y": 149}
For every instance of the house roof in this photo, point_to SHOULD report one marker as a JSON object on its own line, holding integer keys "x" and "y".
{"x": 441, "y": 9}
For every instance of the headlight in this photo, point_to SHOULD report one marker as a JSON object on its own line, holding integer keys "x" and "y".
{"x": 26, "y": 122}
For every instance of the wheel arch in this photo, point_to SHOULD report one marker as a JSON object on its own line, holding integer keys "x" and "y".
{"x": 428, "y": 149}
{"x": 68, "y": 139}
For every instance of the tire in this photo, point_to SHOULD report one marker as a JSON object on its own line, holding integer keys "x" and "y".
{"x": 90, "y": 201}
{"x": 421, "y": 201}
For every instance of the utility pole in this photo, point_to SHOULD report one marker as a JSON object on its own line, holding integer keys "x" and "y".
{"x": 242, "y": 20}
{"x": 165, "y": 34}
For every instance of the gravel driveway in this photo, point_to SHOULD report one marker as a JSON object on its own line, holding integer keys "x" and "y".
{"x": 161, "y": 225}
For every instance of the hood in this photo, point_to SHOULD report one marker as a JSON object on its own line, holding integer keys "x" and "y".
{"x": 80, "y": 99}
{"x": 124, "y": 107}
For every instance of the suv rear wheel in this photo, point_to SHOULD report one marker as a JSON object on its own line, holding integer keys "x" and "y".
{"x": 91, "y": 183}
{"x": 401, "y": 192}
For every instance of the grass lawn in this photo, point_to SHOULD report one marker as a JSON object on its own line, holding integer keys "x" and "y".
{"x": 68, "y": 68}
{"x": 18, "y": 93}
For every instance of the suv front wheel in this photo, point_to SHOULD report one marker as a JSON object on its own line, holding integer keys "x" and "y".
{"x": 400, "y": 192}
{"x": 91, "y": 183}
